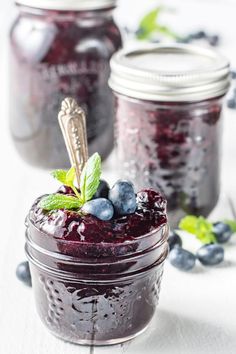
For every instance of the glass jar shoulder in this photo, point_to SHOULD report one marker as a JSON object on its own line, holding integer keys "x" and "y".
{"x": 39, "y": 39}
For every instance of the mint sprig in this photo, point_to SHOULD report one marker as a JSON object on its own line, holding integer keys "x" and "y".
{"x": 150, "y": 25}
{"x": 89, "y": 182}
{"x": 199, "y": 227}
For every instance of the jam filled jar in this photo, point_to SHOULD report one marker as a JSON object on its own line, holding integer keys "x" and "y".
{"x": 97, "y": 282}
{"x": 169, "y": 122}
{"x": 58, "y": 49}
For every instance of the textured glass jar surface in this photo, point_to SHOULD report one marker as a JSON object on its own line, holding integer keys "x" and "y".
{"x": 174, "y": 147}
{"x": 104, "y": 300}
{"x": 55, "y": 55}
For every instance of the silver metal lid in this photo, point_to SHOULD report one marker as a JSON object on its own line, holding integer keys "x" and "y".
{"x": 68, "y": 4}
{"x": 175, "y": 72}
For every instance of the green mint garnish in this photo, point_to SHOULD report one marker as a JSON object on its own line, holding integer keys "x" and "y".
{"x": 199, "y": 227}
{"x": 90, "y": 178}
{"x": 150, "y": 25}
{"x": 89, "y": 182}
{"x": 60, "y": 201}
{"x": 67, "y": 178}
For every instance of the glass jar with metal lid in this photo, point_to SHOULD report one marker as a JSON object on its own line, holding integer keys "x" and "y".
{"x": 61, "y": 48}
{"x": 169, "y": 122}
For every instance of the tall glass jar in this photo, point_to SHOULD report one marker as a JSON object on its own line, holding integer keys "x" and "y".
{"x": 169, "y": 124}
{"x": 60, "y": 48}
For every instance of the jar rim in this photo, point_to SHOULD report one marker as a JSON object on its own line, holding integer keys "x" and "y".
{"x": 93, "y": 278}
{"x": 68, "y": 5}
{"x": 174, "y": 73}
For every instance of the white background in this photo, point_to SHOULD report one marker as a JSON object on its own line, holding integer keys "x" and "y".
{"x": 197, "y": 312}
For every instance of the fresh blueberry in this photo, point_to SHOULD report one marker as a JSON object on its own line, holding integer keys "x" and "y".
{"x": 182, "y": 259}
{"x": 123, "y": 198}
{"x": 233, "y": 74}
{"x": 103, "y": 190}
{"x": 174, "y": 240}
{"x": 211, "y": 254}
{"x": 199, "y": 35}
{"x": 231, "y": 103}
{"x": 23, "y": 273}
{"x": 213, "y": 40}
{"x": 100, "y": 207}
{"x": 222, "y": 232}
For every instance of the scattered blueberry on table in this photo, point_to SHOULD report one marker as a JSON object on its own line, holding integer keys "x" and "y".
{"x": 23, "y": 273}
{"x": 211, "y": 235}
{"x": 174, "y": 240}
{"x": 233, "y": 74}
{"x": 210, "y": 255}
{"x": 182, "y": 259}
{"x": 222, "y": 232}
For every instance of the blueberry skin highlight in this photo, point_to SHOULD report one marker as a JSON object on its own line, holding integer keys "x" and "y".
{"x": 100, "y": 207}
{"x": 123, "y": 198}
{"x": 182, "y": 259}
{"x": 23, "y": 273}
{"x": 222, "y": 232}
{"x": 210, "y": 255}
{"x": 174, "y": 240}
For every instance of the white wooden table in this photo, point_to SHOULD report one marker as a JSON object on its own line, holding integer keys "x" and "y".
{"x": 197, "y": 311}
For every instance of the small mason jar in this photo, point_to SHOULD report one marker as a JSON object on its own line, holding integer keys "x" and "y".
{"x": 169, "y": 122}
{"x": 58, "y": 49}
{"x": 99, "y": 294}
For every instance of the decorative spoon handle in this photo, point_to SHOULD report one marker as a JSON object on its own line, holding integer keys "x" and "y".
{"x": 72, "y": 120}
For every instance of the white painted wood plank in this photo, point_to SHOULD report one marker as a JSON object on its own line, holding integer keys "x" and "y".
{"x": 196, "y": 312}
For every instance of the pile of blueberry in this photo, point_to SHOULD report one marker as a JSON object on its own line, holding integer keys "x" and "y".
{"x": 208, "y": 255}
{"x": 212, "y": 39}
{"x": 231, "y": 102}
{"x": 120, "y": 200}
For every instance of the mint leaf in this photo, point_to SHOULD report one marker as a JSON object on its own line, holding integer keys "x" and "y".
{"x": 60, "y": 175}
{"x": 59, "y": 201}
{"x": 90, "y": 178}
{"x": 232, "y": 224}
{"x": 199, "y": 227}
{"x": 188, "y": 223}
{"x": 65, "y": 177}
{"x": 149, "y": 25}
{"x": 70, "y": 176}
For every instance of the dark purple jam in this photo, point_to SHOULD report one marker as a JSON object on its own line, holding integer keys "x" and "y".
{"x": 173, "y": 147}
{"x": 55, "y": 55}
{"x": 75, "y": 227}
{"x": 98, "y": 282}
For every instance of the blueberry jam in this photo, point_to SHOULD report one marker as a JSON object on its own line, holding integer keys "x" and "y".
{"x": 97, "y": 282}
{"x": 173, "y": 147}
{"x": 72, "y": 226}
{"x": 54, "y": 55}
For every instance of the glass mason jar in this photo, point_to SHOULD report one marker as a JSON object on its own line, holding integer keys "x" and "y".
{"x": 59, "y": 49}
{"x": 104, "y": 299}
{"x": 169, "y": 124}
